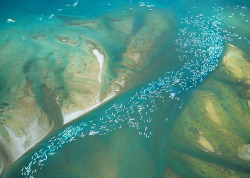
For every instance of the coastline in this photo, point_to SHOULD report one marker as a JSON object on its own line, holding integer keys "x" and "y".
{"x": 76, "y": 114}
{"x": 73, "y": 116}
{"x": 69, "y": 76}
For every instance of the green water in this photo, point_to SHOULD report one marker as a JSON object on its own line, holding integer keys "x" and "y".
{"x": 153, "y": 127}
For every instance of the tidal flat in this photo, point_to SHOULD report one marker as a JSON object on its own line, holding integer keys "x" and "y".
{"x": 135, "y": 89}
{"x": 216, "y": 121}
{"x": 58, "y": 76}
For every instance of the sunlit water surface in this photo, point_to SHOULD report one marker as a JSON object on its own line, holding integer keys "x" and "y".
{"x": 129, "y": 135}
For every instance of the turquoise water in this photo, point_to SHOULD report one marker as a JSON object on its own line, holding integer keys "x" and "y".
{"x": 130, "y": 136}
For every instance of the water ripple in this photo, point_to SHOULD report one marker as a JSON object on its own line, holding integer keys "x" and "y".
{"x": 199, "y": 44}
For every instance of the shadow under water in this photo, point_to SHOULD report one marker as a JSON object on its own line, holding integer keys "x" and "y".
{"x": 162, "y": 126}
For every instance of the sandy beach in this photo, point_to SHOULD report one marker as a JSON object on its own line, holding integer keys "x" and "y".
{"x": 100, "y": 58}
{"x": 72, "y": 116}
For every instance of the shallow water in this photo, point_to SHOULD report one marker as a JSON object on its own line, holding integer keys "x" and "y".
{"x": 131, "y": 135}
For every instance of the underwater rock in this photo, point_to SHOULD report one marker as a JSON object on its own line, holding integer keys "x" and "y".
{"x": 236, "y": 63}
{"x": 205, "y": 144}
{"x": 244, "y": 152}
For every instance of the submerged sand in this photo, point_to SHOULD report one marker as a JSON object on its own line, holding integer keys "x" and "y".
{"x": 236, "y": 63}
{"x": 212, "y": 112}
{"x": 216, "y": 120}
{"x": 64, "y": 72}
